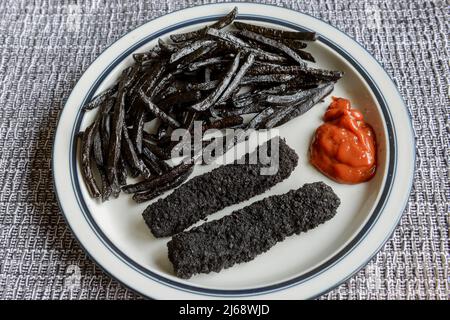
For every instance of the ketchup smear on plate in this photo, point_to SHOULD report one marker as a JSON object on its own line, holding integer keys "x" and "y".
{"x": 344, "y": 147}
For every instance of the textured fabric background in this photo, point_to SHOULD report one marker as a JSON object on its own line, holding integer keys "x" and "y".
{"x": 46, "y": 45}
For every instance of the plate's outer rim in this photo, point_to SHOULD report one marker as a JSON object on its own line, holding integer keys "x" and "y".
{"x": 314, "y": 271}
{"x": 410, "y": 137}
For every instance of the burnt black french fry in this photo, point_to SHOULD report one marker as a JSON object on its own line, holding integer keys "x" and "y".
{"x": 157, "y": 112}
{"x": 99, "y": 151}
{"x": 167, "y": 47}
{"x": 301, "y": 83}
{"x": 226, "y": 20}
{"x": 326, "y": 75}
{"x": 122, "y": 172}
{"x": 207, "y": 74}
{"x": 261, "y": 67}
{"x": 266, "y": 78}
{"x": 294, "y": 44}
{"x": 167, "y": 92}
{"x": 267, "y": 56}
{"x": 145, "y": 56}
{"x": 149, "y": 137}
{"x": 149, "y": 195}
{"x": 221, "y": 23}
{"x": 186, "y": 36}
{"x": 270, "y": 68}
{"x": 237, "y": 78}
{"x": 177, "y": 98}
{"x": 97, "y": 146}
{"x": 146, "y": 82}
{"x": 131, "y": 156}
{"x": 259, "y": 120}
{"x": 165, "y": 141}
{"x": 151, "y": 79}
{"x": 188, "y": 121}
{"x": 182, "y": 117}
{"x": 137, "y": 85}
{"x": 162, "y": 154}
{"x": 245, "y": 102}
{"x": 162, "y": 131}
{"x": 104, "y": 135}
{"x": 189, "y": 48}
{"x": 218, "y": 69}
{"x": 212, "y": 98}
{"x": 276, "y": 89}
{"x": 163, "y": 83}
{"x": 86, "y": 160}
{"x": 214, "y": 60}
{"x": 227, "y": 36}
{"x": 132, "y": 76}
{"x": 149, "y": 164}
{"x": 164, "y": 135}
{"x": 250, "y": 108}
{"x": 226, "y": 122}
{"x": 157, "y": 181}
{"x": 291, "y": 98}
{"x": 258, "y": 96}
{"x": 274, "y": 44}
{"x": 305, "y": 55}
{"x": 238, "y": 44}
{"x": 204, "y": 86}
{"x": 254, "y": 44}
{"x": 117, "y": 123}
{"x": 184, "y": 62}
{"x": 137, "y": 130}
{"x": 283, "y": 115}
{"x": 227, "y": 40}
{"x": 129, "y": 171}
{"x": 276, "y": 33}
{"x": 236, "y": 47}
{"x": 101, "y": 134}
{"x": 106, "y": 187}
{"x": 149, "y": 64}
{"x": 101, "y": 97}
{"x": 158, "y": 165}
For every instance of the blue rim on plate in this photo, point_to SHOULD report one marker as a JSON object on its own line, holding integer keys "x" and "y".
{"x": 392, "y": 166}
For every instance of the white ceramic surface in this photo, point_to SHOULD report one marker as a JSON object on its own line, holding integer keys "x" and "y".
{"x": 114, "y": 233}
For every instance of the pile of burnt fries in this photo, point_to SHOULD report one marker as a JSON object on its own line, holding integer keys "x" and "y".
{"x": 210, "y": 75}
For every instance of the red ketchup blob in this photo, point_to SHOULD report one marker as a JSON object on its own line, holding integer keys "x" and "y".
{"x": 344, "y": 147}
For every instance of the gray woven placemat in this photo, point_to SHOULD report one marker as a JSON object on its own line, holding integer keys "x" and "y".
{"x": 46, "y": 45}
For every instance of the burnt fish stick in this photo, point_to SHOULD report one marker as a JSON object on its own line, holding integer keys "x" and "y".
{"x": 252, "y": 230}
{"x": 217, "y": 189}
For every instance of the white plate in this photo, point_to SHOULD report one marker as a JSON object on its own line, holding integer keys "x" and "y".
{"x": 304, "y": 266}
